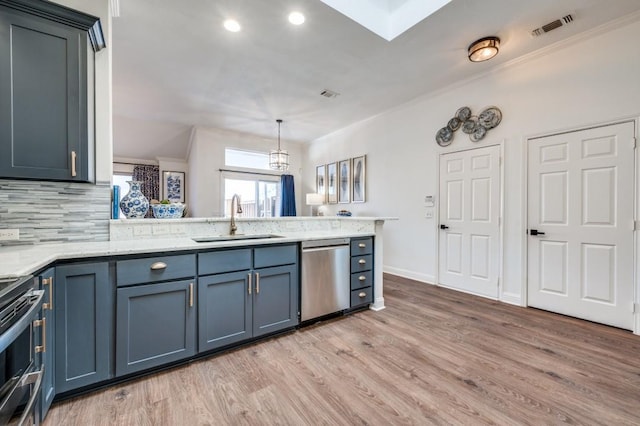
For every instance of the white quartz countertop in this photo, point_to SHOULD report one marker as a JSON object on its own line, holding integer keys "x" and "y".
{"x": 17, "y": 261}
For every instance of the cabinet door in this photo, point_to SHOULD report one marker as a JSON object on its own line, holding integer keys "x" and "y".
{"x": 48, "y": 282}
{"x": 156, "y": 324}
{"x": 275, "y": 299}
{"x": 224, "y": 309}
{"x": 83, "y": 306}
{"x": 43, "y": 67}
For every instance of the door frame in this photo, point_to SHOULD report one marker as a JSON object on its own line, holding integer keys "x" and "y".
{"x": 501, "y": 162}
{"x": 635, "y": 303}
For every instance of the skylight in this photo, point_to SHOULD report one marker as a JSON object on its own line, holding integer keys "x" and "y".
{"x": 387, "y": 18}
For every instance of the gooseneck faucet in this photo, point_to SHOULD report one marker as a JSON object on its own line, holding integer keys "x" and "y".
{"x": 238, "y": 210}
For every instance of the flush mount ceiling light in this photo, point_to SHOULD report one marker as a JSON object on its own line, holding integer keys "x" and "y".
{"x": 279, "y": 159}
{"x": 296, "y": 18}
{"x": 232, "y": 25}
{"x": 484, "y": 49}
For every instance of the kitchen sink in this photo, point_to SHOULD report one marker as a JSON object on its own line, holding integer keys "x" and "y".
{"x": 237, "y": 237}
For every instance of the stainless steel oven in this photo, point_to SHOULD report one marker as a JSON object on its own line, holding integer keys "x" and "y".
{"x": 20, "y": 365}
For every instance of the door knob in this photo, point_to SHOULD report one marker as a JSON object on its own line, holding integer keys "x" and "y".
{"x": 444, "y": 227}
{"x": 535, "y": 232}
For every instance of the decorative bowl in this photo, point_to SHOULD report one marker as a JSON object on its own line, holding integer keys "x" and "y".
{"x": 167, "y": 211}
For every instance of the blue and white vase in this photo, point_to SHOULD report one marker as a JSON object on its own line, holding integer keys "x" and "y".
{"x": 134, "y": 205}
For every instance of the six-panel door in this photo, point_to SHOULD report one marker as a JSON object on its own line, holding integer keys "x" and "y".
{"x": 156, "y": 324}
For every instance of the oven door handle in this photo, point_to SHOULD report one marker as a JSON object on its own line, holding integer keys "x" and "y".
{"x": 16, "y": 329}
{"x": 30, "y": 378}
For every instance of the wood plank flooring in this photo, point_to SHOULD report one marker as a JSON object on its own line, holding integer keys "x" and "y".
{"x": 433, "y": 356}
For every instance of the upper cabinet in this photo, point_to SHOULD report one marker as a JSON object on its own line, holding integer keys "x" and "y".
{"x": 46, "y": 74}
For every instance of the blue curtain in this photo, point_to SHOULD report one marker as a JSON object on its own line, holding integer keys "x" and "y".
{"x": 288, "y": 206}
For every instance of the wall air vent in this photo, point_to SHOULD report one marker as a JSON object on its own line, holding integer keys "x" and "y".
{"x": 329, "y": 93}
{"x": 552, "y": 25}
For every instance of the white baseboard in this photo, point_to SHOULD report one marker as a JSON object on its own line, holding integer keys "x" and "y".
{"x": 511, "y": 298}
{"x": 412, "y": 275}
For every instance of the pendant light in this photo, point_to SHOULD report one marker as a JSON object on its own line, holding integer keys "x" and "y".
{"x": 279, "y": 159}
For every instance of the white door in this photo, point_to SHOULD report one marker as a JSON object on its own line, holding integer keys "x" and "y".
{"x": 469, "y": 221}
{"x": 581, "y": 196}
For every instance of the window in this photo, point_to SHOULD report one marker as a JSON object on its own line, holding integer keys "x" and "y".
{"x": 259, "y": 196}
{"x": 246, "y": 159}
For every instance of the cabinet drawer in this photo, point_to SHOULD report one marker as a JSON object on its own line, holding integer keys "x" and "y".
{"x": 275, "y": 256}
{"x": 361, "y": 296}
{"x": 361, "y": 263}
{"x": 150, "y": 269}
{"x": 360, "y": 246}
{"x": 218, "y": 262}
{"x": 361, "y": 279}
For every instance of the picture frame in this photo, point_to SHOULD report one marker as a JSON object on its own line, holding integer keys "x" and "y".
{"x": 358, "y": 180}
{"x": 332, "y": 183}
{"x": 173, "y": 186}
{"x": 344, "y": 181}
{"x": 321, "y": 181}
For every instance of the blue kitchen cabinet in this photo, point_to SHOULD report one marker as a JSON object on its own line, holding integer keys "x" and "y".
{"x": 83, "y": 308}
{"x": 361, "y": 272}
{"x": 44, "y": 66}
{"x": 47, "y": 283}
{"x": 246, "y": 293}
{"x": 155, "y": 311}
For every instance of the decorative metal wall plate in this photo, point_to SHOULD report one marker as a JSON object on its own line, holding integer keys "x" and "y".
{"x": 476, "y": 127}
{"x": 444, "y": 136}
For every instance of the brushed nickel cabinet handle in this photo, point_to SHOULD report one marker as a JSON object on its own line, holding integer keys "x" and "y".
{"x": 362, "y": 278}
{"x": 362, "y": 245}
{"x": 191, "y": 295}
{"x": 249, "y": 276}
{"x": 42, "y": 323}
{"x": 73, "y": 163}
{"x": 257, "y": 283}
{"x": 158, "y": 265}
{"x": 362, "y": 261}
{"x": 362, "y": 294}
{"x": 49, "y": 282}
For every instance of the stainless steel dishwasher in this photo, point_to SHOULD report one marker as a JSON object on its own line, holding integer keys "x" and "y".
{"x": 325, "y": 284}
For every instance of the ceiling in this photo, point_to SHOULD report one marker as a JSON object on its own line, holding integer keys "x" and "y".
{"x": 176, "y": 67}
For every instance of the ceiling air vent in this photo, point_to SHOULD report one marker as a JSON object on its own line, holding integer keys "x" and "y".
{"x": 329, "y": 93}
{"x": 552, "y": 25}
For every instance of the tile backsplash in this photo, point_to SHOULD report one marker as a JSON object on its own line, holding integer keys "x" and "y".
{"x": 48, "y": 212}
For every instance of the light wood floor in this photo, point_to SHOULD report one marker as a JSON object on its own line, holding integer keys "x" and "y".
{"x": 433, "y": 356}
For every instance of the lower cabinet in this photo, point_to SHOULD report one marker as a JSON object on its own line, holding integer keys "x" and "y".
{"x": 47, "y": 283}
{"x": 156, "y": 324}
{"x": 237, "y": 306}
{"x": 83, "y": 306}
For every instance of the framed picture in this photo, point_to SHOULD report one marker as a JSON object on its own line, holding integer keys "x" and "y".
{"x": 173, "y": 186}
{"x": 321, "y": 181}
{"x": 332, "y": 183}
{"x": 344, "y": 181}
{"x": 359, "y": 179}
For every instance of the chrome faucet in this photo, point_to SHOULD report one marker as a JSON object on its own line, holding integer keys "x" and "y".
{"x": 238, "y": 210}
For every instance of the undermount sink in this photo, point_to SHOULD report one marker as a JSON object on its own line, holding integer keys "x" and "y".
{"x": 236, "y": 237}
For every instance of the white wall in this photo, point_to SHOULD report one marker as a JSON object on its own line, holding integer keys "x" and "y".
{"x": 579, "y": 83}
{"x": 103, "y": 99}
{"x": 206, "y": 158}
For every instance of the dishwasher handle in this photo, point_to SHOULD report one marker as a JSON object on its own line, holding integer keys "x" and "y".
{"x": 325, "y": 244}
{"x": 324, "y": 248}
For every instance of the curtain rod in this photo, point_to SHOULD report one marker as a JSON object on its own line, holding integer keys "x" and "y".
{"x": 249, "y": 173}
{"x": 134, "y": 164}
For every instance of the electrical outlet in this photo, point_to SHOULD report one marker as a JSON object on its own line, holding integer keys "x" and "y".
{"x": 9, "y": 234}
{"x": 429, "y": 214}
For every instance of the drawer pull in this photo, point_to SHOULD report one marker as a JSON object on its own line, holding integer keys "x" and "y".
{"x": 158, "y": 266}
{"x": 42, "y": 323}
{"x": 362, "y": 294}
{"x": 362, "y": 261}
{"x": 257, "y": 283}
{"x": 191, "y": 295}
{"x": 49, "y": 282}
{"x": 362, "y": 278}
{"x": 249, "y": 283}
{"x": 362, "y": 245}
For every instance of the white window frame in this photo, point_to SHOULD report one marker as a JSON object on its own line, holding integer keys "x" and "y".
{"x": 245, "y": 175}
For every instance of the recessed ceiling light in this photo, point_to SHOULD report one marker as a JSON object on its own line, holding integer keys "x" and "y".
{"x": 296, "y": 18}
{"x": 232, "y": 25}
